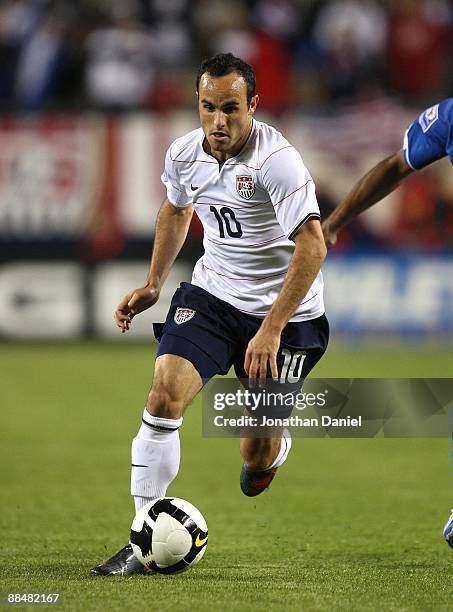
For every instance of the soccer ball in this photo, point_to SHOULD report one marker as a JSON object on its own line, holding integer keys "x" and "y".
{"x": 169, "y": 535}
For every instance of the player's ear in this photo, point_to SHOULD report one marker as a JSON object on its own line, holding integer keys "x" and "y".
{"x": 253, "y": 104}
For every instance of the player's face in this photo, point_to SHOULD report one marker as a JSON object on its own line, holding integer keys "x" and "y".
{"x": 225, "y": 115}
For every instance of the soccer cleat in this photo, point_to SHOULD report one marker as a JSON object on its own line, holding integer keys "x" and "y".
{"x": 448, "y": 530}
{"x": 254, "y": 483}
{"x": 124, "y": 563}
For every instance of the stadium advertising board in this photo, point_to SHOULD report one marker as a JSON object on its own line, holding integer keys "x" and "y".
{"x": 364, "y": 295}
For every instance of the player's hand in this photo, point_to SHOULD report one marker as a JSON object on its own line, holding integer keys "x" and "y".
{"x": 330, "y": 236}
{"x": 132, "y": 304}
{"x": 261, "y": 351}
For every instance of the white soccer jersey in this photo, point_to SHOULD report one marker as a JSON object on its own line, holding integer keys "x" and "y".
{"x": 250, "y": 206}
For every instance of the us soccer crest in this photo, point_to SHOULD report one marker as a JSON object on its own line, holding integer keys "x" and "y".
{"x": 182, "y": 315}
{"x": 245, "y": 186}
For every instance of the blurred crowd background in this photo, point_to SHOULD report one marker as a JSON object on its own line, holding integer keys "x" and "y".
{"x": 93, "y": 91}
{"x": 308, "y": 54}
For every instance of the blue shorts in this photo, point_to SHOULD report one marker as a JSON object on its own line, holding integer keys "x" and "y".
{"x": 213, "y": 336}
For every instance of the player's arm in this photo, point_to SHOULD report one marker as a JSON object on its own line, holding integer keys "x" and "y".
{"x": 171, "y": 230}
{"x": 305, "y": 264}
{"x": 372, "y": 187}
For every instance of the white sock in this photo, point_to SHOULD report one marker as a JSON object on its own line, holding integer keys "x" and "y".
{"x": 155, "y": 458}
{"x": 285, "y": 447}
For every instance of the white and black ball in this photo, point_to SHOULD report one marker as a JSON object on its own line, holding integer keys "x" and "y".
{"x": 169, "y": 535}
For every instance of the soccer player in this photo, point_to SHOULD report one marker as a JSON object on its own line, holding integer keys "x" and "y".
{"x": 427, "y": 139}
{"x": 256, "y": 297}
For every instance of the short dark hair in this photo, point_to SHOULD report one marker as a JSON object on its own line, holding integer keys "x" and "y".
{"x": 226, "y": 63}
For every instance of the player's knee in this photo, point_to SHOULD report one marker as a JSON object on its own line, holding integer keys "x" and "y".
{"x": 165, "y": 403}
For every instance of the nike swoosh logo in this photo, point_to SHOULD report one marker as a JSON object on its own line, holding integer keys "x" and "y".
{"x": 193, "y": 188}
{"x": 199, "y": 542}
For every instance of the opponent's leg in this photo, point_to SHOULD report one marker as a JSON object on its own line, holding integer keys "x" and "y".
{"x": 262, "y": 457}
{"x": 155, "y": 449}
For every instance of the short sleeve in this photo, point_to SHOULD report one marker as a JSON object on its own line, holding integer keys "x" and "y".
{"x": 175, "y": 194}
{"x": 425, "y": 139}
{"x": 291, "y": 189}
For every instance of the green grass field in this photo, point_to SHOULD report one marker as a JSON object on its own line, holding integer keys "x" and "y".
{"x": 348, "y": 524}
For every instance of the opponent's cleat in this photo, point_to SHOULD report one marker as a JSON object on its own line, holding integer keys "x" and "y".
{"x": 124, "y": 563}
{"x": 448, "y": 530}
{"x": 254, "y": 483}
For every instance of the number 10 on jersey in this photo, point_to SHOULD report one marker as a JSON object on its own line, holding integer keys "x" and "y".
{"x": 227, "y": 222}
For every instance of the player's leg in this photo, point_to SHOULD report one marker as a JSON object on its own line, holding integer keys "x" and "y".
{"x": 194, "y": 347}
{"x": 302, "y": 346}
{"x": 156, "y": 449}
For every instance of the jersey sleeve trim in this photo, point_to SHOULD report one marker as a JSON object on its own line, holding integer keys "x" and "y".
{"x": 406, "y": 150}
{"x": 308, "y": 217}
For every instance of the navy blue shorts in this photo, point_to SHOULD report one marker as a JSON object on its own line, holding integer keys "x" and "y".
{"x": 213, "y": 336}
